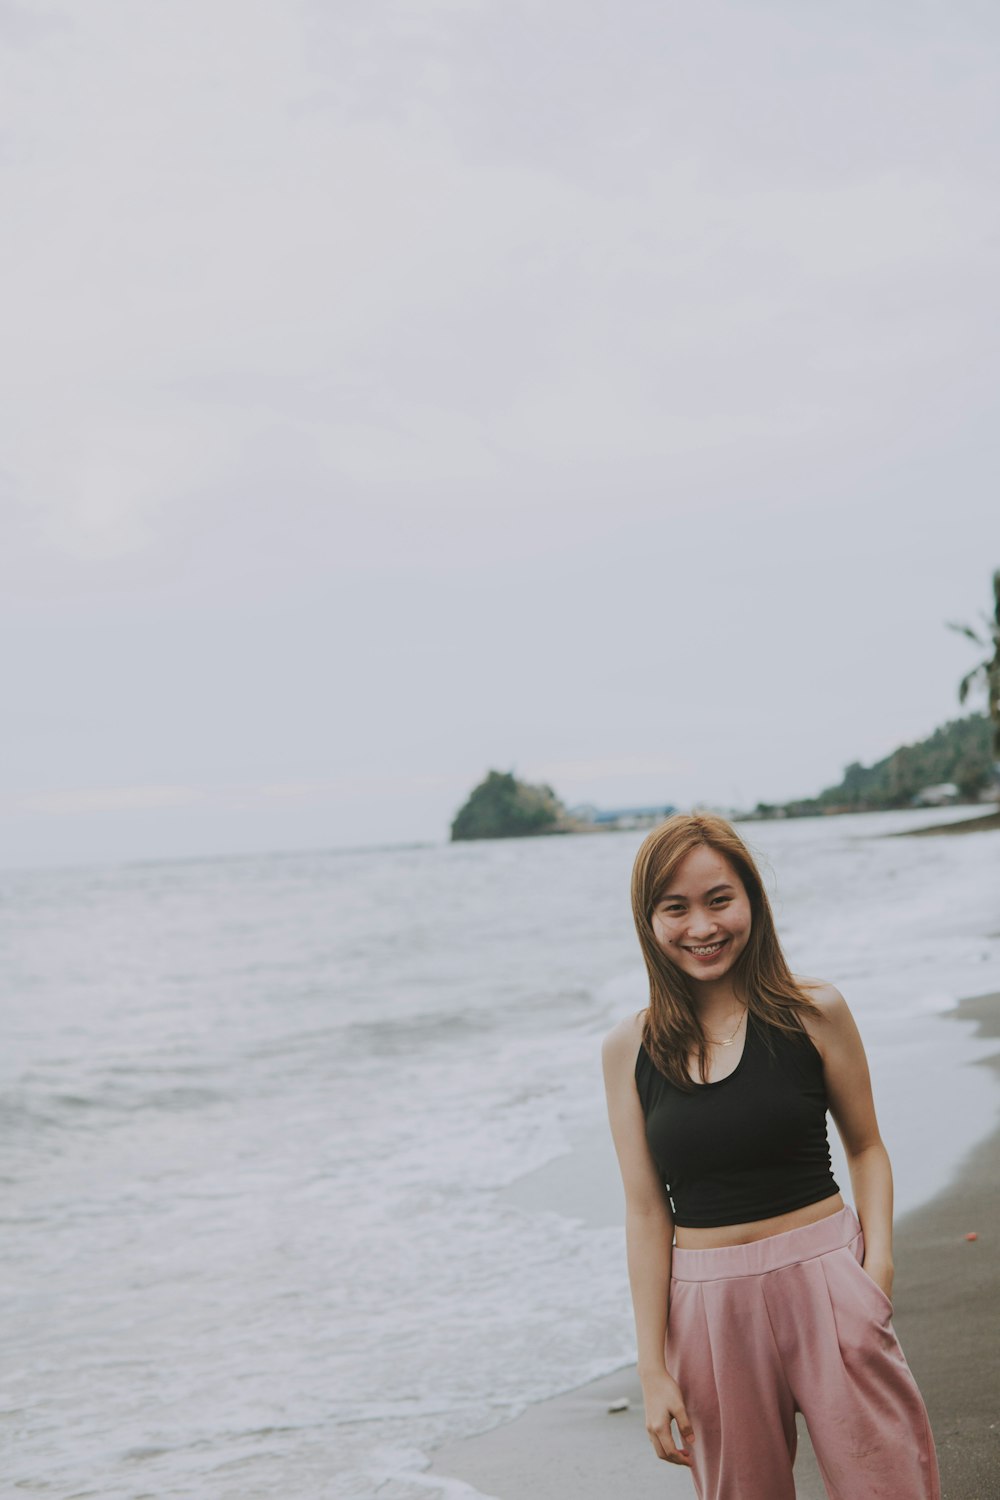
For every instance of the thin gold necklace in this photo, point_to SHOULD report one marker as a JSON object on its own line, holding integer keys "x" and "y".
{"x": 730, "y": 1039}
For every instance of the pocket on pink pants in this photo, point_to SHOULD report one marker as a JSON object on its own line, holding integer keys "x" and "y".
{"x": 866, "y": 1286}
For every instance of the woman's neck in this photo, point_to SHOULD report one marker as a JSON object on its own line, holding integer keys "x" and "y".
{"x": 717, "y": 1000}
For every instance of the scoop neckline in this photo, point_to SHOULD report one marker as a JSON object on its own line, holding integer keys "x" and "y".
{"x": 715, "y": 1083}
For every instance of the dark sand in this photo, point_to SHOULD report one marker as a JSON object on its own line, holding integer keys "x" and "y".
{"x": 947, "y": 1315}
{"x": 968, "y": 825}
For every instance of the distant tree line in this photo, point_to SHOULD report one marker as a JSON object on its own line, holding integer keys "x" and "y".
{"x": 986, "y": 674}
{"x": 959, "y": 752}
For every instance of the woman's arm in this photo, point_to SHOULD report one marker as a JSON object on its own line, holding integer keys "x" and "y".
{"x": 849, "y": 1089}
{"x": 649, "y": 1233}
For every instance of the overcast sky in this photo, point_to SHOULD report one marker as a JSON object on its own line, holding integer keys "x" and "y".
{"x": 600, "y": 389}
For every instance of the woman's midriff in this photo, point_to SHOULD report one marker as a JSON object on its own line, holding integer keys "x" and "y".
{"x": 758, "y": 1229}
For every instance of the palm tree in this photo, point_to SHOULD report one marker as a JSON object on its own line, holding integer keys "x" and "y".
{"x": 986, "y": 672}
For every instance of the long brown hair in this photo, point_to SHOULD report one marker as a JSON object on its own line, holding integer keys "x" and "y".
{"x": 672, "y": 1031}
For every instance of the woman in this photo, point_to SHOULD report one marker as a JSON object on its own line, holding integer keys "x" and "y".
{"x": 778, "y": 1299}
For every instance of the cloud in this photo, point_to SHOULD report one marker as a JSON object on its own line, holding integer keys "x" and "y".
{"x": 83, "y": 801}
{"x": 572, "y": 772}
{"x": 305, "y": 229}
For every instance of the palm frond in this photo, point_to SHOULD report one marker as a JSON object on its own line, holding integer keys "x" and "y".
{"x": 968, "y": 680}
{"x": 965, "y": 630}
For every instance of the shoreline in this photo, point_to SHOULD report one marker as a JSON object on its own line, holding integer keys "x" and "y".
{"x": 947, "y": 1291}
{"x": 984, "y": 823}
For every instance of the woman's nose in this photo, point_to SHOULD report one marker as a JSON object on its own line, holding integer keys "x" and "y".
{"x": 701, "y": 925}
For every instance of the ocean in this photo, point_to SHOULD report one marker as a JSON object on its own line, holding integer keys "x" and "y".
{"x": 262, "y": 1116}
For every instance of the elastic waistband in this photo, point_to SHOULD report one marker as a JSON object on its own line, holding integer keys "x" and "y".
{"x": 761, "y": 1256}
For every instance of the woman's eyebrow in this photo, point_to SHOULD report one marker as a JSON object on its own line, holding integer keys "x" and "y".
{"x": 713, "y": 892}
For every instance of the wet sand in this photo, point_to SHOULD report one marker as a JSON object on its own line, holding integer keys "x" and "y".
{"x": 947, "y": 1315}
{"x": 983, "y": 824}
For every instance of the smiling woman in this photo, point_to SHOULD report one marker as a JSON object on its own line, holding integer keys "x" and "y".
{"x": 757, "y": 1292}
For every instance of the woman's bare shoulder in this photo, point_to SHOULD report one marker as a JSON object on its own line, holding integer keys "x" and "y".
{"x": 831, "y": 1008}
{"x": 623, "y": 1040}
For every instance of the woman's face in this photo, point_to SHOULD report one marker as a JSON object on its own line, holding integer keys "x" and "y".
{"x": 702, "y": 921}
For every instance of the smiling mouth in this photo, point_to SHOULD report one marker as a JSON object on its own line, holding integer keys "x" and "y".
{"x": 708, "y": 951}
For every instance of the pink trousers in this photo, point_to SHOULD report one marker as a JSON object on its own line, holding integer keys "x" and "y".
{"x": 792, "y": 1323}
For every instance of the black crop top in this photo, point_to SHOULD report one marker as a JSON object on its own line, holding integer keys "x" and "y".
{"x": 749, "y": 1146}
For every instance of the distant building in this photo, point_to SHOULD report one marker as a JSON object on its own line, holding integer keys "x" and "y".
{"x": 621, "y": 817}
{"x": 936, "y": 796}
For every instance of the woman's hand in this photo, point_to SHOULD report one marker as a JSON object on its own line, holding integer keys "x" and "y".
{"x": 664, "y": 1405}
{"x": 881, "y": 1272}
{"x": 849, "y": 1091}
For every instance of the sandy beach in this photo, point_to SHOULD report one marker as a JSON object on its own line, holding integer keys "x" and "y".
{"x": 947, "y": 1297}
